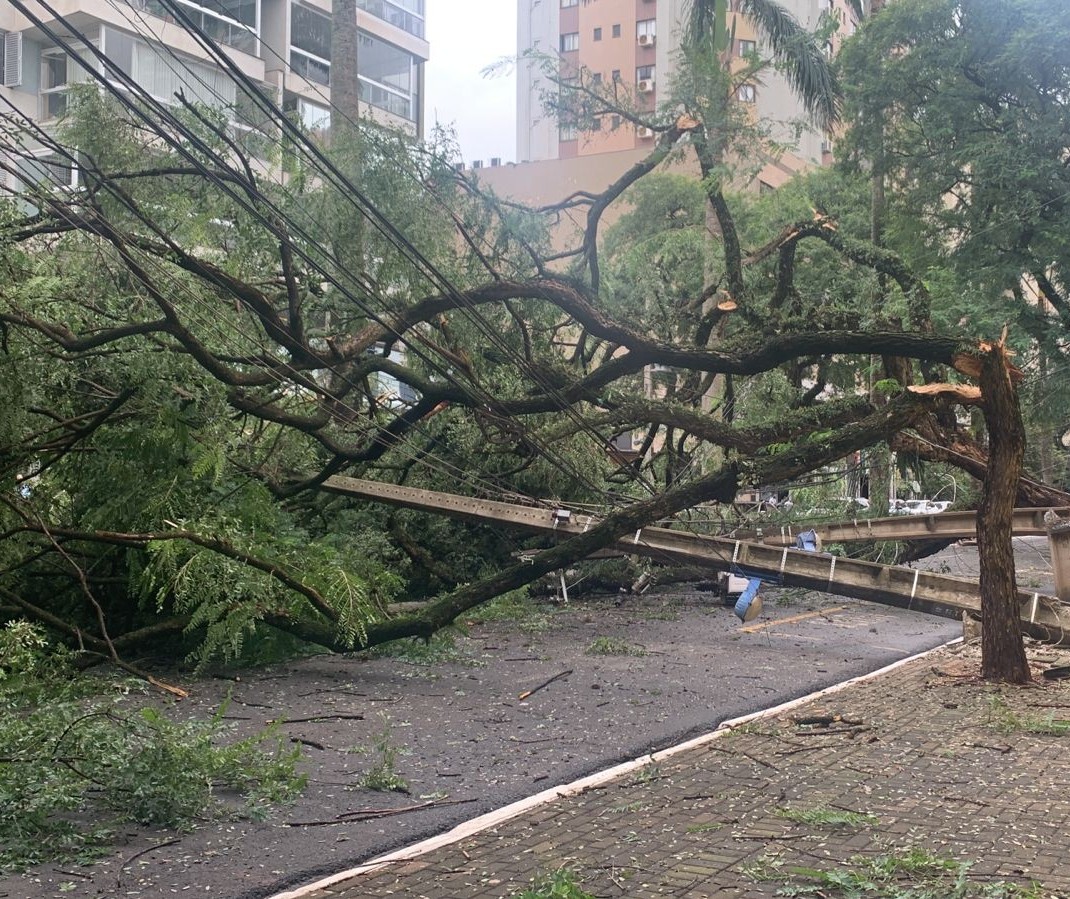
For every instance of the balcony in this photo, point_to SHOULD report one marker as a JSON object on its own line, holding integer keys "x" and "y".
{"x": 405, "y": 14}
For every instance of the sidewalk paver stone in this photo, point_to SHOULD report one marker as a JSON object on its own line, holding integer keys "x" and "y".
{"x": 934, "y": 761}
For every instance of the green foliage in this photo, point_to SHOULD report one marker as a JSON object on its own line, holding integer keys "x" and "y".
{"x": 961, "y": 109}
{"x": 613, "y": 646}
{"x": 78, "y": 760}
{"x": 560, "y": 884}
{"x": 1006, "y": 720}
{"x": 823, "y": 816}
{"x": 908, "y": 874}
{"x": 887, "y": 387}
{"x": 225, "y": 598}
{"x": 383, "y": 776}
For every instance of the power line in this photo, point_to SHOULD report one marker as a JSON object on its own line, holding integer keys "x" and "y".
{"x": 254, "y": 196}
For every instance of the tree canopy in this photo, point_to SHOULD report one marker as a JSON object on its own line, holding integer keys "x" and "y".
{"x": 193, "y": 345}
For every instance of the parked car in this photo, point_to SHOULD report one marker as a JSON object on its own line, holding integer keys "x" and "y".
{"x": 918, "y": 506}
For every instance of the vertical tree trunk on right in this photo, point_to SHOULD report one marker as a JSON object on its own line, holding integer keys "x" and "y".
{"x": 1002, "y": 647}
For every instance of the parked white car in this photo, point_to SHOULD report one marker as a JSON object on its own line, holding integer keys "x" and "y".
{"x": 918, "y": 506}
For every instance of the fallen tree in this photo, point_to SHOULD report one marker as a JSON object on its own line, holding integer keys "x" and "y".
{"x": 187, "y": 358}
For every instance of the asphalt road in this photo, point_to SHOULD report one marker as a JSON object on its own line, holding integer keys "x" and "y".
{"x": 671, "y": 666}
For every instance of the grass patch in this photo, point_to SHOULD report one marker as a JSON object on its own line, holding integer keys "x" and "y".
{"x": 383, "y": 776}
{"x": 613, "y": 646}
{"x": 441, "y": 649}
{"x": 561, "y": 884}
{"x": 823, "y": 816}
{"x": 630, "y": 808}
{"x": 707, "y": 827}
{"x": 790, "y": 596}
{"x": 1007, "y": 721}
{"x": 517, "y": 607}
{"x": 908, "y": 874}
{"x": 646, "y": 774}
{"x": 664, "y": 611}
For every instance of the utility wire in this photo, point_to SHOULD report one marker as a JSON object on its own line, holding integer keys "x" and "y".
{"x": 247, "y": 201}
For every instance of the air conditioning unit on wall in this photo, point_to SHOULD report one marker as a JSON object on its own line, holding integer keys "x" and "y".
{"x": 646, "y": 40}
{"x": 645, "y": 86}
{"x": 644, "y": 132}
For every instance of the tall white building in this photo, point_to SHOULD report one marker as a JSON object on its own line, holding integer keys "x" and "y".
{"x": 282, "y": 45}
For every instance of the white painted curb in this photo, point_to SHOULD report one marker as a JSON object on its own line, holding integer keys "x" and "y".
{"x": 499, "y": 816}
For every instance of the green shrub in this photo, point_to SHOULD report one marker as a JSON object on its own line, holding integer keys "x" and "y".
{"x": 72, "y": 751}
{"x": 613, "y": 646}
{"x": 561, "y": 884}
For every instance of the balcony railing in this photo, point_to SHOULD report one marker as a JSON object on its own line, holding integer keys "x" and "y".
{"x": 396, "y": 15}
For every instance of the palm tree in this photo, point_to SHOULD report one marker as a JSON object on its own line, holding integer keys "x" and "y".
{"x": 802, "y": 59}
{"x": 708, "y": 36}
{"x": 795, "y": 49}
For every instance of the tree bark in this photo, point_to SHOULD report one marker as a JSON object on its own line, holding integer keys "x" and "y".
{"x": 345, "y": 83}
{"x": 1002, "y": 647}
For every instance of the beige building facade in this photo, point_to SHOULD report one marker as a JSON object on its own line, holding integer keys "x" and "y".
{"x": 636, "y": 42}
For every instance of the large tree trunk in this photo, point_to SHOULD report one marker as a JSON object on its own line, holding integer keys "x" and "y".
{"x": 1002, "y": 647}
{"x": 347, "y": 229}
{"x": 345, "y": 83}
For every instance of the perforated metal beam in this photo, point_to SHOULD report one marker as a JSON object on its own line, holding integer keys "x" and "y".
{"x": 947, "y": 525}
{"x": 1043, "y": 616}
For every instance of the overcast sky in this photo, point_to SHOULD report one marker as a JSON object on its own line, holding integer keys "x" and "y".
{"x": 466, "y": 36}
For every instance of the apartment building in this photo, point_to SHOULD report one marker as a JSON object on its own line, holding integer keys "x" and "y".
{"x": 636, "y": 42}
{"x": 282, "y": 45}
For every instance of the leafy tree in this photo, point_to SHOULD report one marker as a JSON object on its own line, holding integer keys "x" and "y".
{"x": 177, "y": 419}
{"x": 973, "y": 101}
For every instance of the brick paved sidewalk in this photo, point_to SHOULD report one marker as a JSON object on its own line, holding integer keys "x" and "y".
{"x": 923, "y": 762}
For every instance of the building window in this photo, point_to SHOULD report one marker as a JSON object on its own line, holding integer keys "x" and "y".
{"x": 11, "y": 58}
{"x": 567, "y": 132}
{"x": 644, "y": 73}
{"x": 570, "y": 42}
{"x": 408, "y": 15}
{"x": 646, "y": 30}
{"x": 746, "y": 48}
{"x": 746, "y": 93}
{"x": 312, "y": 116}
{"x": 59, "y": 71}
{"x": 387, "y": 77}
{"x": 565, "y": 4}
{"x": 598, "y": 34}
{"x": 616, "y": 75}
{"x": 616, "y": 31}
{"x": 614, "y": 122}
{"x": 162, "y": 77}
{"x": 596, "y": 79}
{"x": 235, "y": 23}
{"x": 310, "y": 44}
{"x": 51, "y": 169}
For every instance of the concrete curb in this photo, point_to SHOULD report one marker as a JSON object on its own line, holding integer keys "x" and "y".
{"x": 499, "y": 816}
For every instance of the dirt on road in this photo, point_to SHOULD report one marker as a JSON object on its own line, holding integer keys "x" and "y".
{"x": 609, "y": 679}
